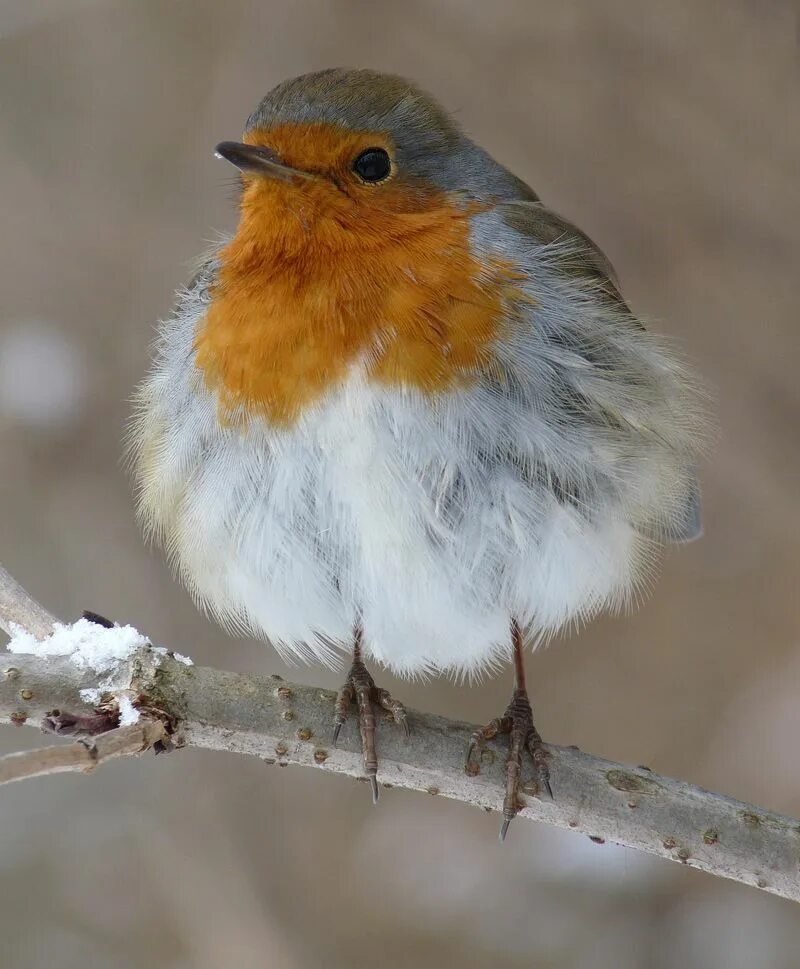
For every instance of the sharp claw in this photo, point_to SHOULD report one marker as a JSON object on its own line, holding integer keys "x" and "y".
{"x": 548, "y": 788}
{"x": 360, "y": 691}
{"x": 504, "y": 829}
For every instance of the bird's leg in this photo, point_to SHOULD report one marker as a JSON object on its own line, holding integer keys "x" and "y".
{"x": 360, "y": 687}
{"x": 517, "y": 722}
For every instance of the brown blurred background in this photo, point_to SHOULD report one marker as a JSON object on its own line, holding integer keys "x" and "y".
{"x": 669, "y": 132}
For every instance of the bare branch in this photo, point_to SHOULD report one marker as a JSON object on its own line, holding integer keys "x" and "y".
{"x": 18, "y": 608}
{"x": 83, "y": 756}
{"x": 288, "y": 723}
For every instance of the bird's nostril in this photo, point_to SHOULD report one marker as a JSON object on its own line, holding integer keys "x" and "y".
{"x": 268, "y": 154}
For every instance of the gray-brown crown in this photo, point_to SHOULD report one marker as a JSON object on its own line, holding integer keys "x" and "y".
{"x": 428, "y": 142}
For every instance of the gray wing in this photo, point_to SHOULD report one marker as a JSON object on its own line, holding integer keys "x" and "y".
{"x": 690, "y": 527}
{"x": 580, "y": 257}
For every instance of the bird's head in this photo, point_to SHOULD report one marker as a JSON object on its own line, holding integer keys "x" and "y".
{"x": 355, "y": 151}
{"x": 354, "y": 247}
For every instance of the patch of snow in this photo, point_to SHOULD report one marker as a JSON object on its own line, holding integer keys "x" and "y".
{"x": 179, "y": 657}
{"x": 94, "y": 648}
{"x": 97, "y": 649}
{"x": 87, "y": 644}
{"x": 128, "y": 714}
{"x": 91, "y": 695}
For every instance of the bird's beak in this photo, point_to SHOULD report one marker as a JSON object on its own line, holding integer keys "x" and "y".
{"x": 258, "y": 161}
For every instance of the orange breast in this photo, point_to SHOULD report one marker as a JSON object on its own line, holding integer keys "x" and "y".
{"x": 318, "y": 280}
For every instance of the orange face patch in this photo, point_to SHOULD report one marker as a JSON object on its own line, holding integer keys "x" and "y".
{"x": 328, "y": 273}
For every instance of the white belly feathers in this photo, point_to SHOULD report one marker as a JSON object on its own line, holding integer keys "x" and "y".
{"x": 372, "y": 508}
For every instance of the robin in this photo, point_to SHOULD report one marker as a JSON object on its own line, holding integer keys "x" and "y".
{"x": 405, "y": 410}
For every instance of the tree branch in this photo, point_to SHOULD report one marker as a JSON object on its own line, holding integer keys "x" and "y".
{"x": 83, "y": 756}
{"x": 287, "y": 723}
{"x": 20, "y": 609}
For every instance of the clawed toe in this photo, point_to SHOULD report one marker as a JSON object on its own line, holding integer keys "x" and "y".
{"x": 359, "y": 687}
{"x": 517, "y": 724}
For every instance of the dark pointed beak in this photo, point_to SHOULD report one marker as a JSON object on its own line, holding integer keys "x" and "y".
{"x": 258, "y": 161}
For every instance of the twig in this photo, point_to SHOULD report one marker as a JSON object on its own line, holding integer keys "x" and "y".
{"x": 20, "y": 609}
{"x": 83, "y": 756}
{"x": 287, "y": 723}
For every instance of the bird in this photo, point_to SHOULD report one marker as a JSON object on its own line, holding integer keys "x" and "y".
{"x": 404, "y": 412}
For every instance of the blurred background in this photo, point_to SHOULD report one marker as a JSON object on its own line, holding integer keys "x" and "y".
{"x": 669, "y": 133}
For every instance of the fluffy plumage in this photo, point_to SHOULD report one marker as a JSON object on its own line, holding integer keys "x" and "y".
{"x": 536, "y": 481}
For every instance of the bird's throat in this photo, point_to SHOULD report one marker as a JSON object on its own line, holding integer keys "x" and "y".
{"x": 306, "y": 292}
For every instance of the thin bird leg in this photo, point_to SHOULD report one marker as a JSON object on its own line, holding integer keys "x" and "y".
{"x": 517, "y": 722}
{"x": 360, "y": 687}
{"x": 366, "y": 725}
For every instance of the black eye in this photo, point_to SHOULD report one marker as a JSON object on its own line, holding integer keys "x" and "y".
{"x": 373, "y": 165}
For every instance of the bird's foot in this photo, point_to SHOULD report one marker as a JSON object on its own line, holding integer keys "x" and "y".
{"x": 517, "y": 722}
{"x": 359, "y": 687}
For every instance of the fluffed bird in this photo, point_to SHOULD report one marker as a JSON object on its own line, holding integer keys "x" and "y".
{"x": 404, "y": 409}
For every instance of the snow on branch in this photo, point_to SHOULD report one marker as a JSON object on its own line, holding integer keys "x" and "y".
{"x": 86, "y": 682}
